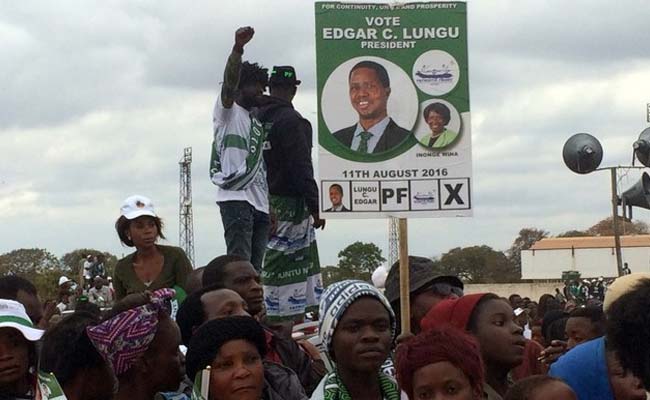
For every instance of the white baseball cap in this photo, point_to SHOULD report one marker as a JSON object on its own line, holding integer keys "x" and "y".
{"x": 623, "y": 285}
{"x": 137, "y": 206}
{"x": 13, "y": 315}
{"x": 63, "y": 280}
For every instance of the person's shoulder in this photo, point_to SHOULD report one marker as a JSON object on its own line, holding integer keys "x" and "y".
{"x": 221, "y": 112}
{"x": 346, "y": 131}
{"x": 345, "y": 134}
{"x": 171, "y": 250}
{"x": 393, "y": 127}
{"x": 582, "y": 354}
{"x": 283, "y": 382}
{"x": 125, "y": 261}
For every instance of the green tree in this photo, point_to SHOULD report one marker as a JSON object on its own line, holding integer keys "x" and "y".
{"x": 524, "y": 241}
{"x": 39, "y": 266}
{"x": 331, "y": 274}
{"x": 477, "y": 264}
{"x": 73, "y": 260}
{"x": 573, "y": 233}
{"x": 28, "y": 261}
{"x": 356, "y": 261}
{"x": 605, "y": 227}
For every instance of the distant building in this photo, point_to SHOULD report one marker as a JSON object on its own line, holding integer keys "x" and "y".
{"x": 593, "y": 256}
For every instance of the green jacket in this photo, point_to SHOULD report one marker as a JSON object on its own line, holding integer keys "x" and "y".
{"x": 176, "y": 267}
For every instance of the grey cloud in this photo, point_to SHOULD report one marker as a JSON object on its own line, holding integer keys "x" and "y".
{"x": 577, "y": 32}
{"x": 99, "y": 101}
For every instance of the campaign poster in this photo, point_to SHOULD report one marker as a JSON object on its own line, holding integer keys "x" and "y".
{"x": 393, "y": 110}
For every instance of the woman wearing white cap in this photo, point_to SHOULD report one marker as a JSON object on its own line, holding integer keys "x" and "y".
{"x": 152, "y": 266}
{"x": 17, "y": 352}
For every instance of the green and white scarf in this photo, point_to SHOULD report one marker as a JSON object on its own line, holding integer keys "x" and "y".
{"x": 333, "y": 389}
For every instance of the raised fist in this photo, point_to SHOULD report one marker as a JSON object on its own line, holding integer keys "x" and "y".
{"x": 243, "y": 35}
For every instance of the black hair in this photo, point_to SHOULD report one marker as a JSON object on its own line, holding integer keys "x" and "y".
{"x": 473, "y": 317}
{"x": 67, "y": 350}
{"x": 595, "y": 314}
{"x": 213, "y": 272}
{"x": 439, "y": 109}
{"x": 209, "y": 338}
{"x": 11, "y": 284}
{"x": 556, "y": 330}
{"x": 191, "y": 314}
{"x": 382, "y": 74}
{"x": 122, "y": 227}
{"x": 88, "y": 308}
{"x": 252, "y": 73}
{"x": 512, "y": 296}
{"x": 523, "y": 389}
{"x": 547, "y": 302}
{"x": 628, "y": 330}
{"x": 337, "y": 186}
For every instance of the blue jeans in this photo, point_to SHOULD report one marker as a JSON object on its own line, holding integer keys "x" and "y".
{"x": 246, "y": 231}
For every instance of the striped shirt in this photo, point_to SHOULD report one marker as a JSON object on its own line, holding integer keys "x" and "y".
{"x": 236, "y": 169}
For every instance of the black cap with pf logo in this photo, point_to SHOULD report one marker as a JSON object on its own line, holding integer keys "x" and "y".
{"x": 284, "y": 76}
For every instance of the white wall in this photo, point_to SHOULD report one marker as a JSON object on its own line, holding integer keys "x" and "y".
{"x": 532, "y": 290}
{"x": 592, "y": 263}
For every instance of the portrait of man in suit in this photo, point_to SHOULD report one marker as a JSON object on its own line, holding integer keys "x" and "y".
{"x": 375, "y": 132}
{"x": 336, "y": 197}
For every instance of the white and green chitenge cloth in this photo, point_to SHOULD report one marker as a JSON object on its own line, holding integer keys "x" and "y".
{"x": 291, "y": 273}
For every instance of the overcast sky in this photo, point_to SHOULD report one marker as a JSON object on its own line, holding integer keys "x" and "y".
{"x": 99, "y": 98}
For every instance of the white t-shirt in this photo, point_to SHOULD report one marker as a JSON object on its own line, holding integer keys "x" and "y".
{"x": 87, "y": 265}
{"x": 236, "y": 121}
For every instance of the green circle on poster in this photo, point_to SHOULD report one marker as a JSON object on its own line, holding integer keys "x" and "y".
{"x": 369, "y": 105}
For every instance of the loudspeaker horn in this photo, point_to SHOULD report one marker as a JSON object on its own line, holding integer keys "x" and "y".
{"x": 639, "y": 194}
{"x": 582, "y": 153}
{"x": 642, "y": 147}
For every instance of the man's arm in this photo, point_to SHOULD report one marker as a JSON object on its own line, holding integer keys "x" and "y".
{"x": 233, "y": 66}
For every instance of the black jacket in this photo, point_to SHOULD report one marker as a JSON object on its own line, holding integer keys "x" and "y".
{"x": 287, "y": 152}
{"x": 393, "y": 136}
{"x": 309, "y": 371}
{"x": 281, "y": 383}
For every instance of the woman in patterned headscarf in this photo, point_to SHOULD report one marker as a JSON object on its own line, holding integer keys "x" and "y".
{"x": 357, "y": 329}
{"x": 141, "y": 345}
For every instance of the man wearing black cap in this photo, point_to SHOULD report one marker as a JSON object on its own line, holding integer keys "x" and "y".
{"x": 291, "y": 272}
{"x": 426, "y": 288}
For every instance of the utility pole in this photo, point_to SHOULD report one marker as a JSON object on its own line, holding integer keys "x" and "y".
{"x": 185, "y": 218}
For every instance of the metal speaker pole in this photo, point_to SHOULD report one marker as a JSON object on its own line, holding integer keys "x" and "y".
{"x": 582, "y": 153}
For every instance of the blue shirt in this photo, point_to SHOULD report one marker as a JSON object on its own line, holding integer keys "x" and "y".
{"x": 584, "y": 368}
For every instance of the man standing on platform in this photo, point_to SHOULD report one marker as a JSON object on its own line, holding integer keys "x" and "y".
{"x": 236, "y": 164}
{"x": 291, "y": 273}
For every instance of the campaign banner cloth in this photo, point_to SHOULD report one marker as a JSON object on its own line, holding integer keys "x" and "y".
{"x": 201, "y": 385}
{"x": 393, "y": 110}
{"x": 291, "y": 274}
{"x": 48, "y": 387}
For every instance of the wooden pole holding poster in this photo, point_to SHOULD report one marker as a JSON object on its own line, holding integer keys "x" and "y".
{"x": 404, "y": 280}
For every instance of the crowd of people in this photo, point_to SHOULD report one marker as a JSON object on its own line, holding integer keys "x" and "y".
{"x": 220, "y": 344}
{"x": 156, "y": 327}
